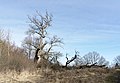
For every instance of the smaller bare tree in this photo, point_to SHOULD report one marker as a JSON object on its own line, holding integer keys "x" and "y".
{"x": 94, "y": 58}
{"x": 27, "y": 45}
{"x": 117, "y": 61}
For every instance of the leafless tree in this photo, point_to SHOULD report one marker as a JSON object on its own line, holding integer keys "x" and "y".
{"x": 40, "y": 38}
{"x": 91, "y": 57}
{"x": 94, "y": 57}
{"x": 117, "y": 61}
{"x": 79, "y": 61}
{"x": 27, "y": 45}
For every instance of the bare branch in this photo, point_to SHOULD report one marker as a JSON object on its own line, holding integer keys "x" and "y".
{"x": 66, "y": 57}
{"x": 72, "y": 59}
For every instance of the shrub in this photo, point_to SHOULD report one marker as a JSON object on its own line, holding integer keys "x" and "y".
{"x": 16, "y": 60}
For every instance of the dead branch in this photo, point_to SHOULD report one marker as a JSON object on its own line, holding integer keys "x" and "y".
{"x": 69, "y": 61}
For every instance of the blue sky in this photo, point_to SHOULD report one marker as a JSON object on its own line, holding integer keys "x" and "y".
{"x": 84, "y": 25}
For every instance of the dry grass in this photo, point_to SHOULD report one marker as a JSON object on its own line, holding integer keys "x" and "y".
{"x": 92, "y": 75}
{"x": 15, "y": 77}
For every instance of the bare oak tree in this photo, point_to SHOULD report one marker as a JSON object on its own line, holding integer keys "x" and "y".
{"x": 40, "y": 40}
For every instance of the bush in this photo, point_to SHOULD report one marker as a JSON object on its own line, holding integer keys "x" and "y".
{"x": 19, "y": 63}
{"x": 15, "y": 62}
